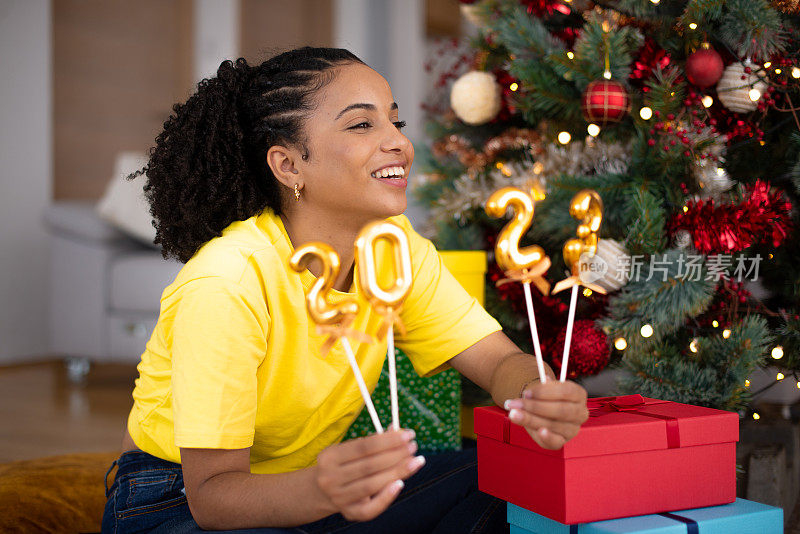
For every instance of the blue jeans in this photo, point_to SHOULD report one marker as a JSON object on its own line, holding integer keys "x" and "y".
{"x": 441, "y": 498}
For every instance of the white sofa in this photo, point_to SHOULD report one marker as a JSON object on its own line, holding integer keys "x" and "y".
{"x": 105, "y": 288}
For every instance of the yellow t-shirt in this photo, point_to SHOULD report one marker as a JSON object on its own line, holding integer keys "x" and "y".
{"x": 235, "y": 361}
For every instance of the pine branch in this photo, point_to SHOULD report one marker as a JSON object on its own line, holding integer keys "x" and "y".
{"x": 701, "y": 12}
{"x": 753, "y": 29}
{"x": 590, "y": 50}
{"x": 663, "y": 293}
{"x": 713, "y": 376}
{"x": 647, "y": 234}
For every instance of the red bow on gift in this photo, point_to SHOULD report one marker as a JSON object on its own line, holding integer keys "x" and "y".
{"x": 625, "y": 403}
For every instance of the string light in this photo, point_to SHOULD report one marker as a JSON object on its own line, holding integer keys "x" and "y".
{"x": 655, "y": 2}
{"x": 607, "y": 75}
{"x": 621, "y": 344}
{"x": 780, "y": 377}
{"x": 768, "y": 64}
{"x": 538, "y": 167}
{"x": 795, "y": 72}
{"x": 646, "y": 113}
{"x": 593, "y": 129}
{"x": 570, "y": 55}
{"x": 708, "y": 101}
{"x": 564, "y": 138}
{"x": 646, "y": 331}
{"x": 587, "y": 292}
{"x": 777, "y": 352}
{"x": 778, "y": 71}
{"x": 692, "y": 25}
{"x": 747, "y": 383}
{"x": 715, "y": 323}
{"x": 756, "y": 416}
{"x": 693, "y": 345}
{"x": 514, "y": 86}
{"x": 685, "y": 209}
{"x": 798, "y": 385}
{"x": 754, "y": 94}
{"x": 726, "y": 333}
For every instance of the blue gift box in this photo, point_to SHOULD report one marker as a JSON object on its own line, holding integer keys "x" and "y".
{"x": 740, "y": 517}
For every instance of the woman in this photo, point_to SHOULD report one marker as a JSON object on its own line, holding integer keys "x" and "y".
{"x": 237, "y": 417}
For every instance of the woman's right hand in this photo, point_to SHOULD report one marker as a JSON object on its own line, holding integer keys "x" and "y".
{"x": 360, "y": 478}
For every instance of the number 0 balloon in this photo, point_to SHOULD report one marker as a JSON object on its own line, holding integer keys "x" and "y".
{"x": 386, "y": 301}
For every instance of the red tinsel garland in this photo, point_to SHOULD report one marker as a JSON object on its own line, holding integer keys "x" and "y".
{"x": 650, "y": 57}
{"x": 588, "y": 353}
{"x": 722, "y": 229}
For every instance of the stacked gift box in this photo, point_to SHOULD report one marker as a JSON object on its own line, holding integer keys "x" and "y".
{"x": 662, "y": 466}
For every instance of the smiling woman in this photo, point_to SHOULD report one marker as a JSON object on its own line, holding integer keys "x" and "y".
{"x": 238, "y": 417}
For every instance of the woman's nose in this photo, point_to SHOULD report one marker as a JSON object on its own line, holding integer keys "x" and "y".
{"x": 395, "y": 141}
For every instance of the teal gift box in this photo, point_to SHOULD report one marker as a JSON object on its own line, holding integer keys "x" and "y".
{"x": 739, "y": 517}
{"x": 431, "y": 406}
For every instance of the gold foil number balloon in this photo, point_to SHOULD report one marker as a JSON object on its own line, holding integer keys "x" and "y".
{"x": 529, "y": 263}
{"x": 386, "y": 301}
{"x": 587, "y": 207}
{"x": 320, "y": 310}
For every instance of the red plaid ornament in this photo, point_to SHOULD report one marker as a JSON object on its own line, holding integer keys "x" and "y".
{"x": 605, "y": 101}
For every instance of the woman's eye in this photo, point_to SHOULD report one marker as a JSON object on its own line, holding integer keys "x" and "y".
{"x": 400, "y": 124}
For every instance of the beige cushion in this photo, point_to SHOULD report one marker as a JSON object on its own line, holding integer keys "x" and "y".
{"x": 124, "y": 204}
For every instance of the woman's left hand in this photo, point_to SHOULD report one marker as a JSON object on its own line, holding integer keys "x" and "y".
{"x": 552, "y": 413}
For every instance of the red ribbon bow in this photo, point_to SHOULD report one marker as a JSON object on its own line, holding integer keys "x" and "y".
{"x": 634, "y": 404}
{"x": 625, "y": 403}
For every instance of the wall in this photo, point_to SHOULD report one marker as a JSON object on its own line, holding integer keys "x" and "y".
{"x": 25, "y": 164}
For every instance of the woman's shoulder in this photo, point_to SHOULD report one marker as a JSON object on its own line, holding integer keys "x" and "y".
{"x": 243, "y": 252}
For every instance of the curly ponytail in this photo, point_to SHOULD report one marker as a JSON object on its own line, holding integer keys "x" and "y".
{"x": 208, "y": 167}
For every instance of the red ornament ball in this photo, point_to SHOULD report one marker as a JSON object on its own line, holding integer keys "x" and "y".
{"x": 589, "y": 351}
{"x": 605, "y": 101}
{"x": 704, "y": 67}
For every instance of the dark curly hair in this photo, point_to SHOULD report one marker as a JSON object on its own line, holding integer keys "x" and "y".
{"x": 209, "y": 167}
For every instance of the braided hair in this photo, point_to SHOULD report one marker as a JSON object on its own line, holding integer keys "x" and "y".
{"x": 209, "y": 166}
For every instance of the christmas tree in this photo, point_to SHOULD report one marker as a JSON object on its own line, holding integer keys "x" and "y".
{"x": 683, "y": 116}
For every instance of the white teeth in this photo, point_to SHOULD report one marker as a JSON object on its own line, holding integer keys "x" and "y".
{"x": 397, "y": 172}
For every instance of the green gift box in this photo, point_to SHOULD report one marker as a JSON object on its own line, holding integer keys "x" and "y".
{"x": 429, "y": 406}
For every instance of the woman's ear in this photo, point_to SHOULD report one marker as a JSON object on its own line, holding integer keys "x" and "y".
{"x": 281, "y": 161}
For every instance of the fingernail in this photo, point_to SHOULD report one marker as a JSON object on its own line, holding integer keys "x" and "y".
{"x": 408, "y": 435}
{"x": 527, "y": 394}
{"x": 416, "y": 462}
{"x": 543, "y": 432}
{"x": 397, "y": 485}
{"x": 515, "y": 415}
{"x": 412, "y": 447}
{"x": 510, "y": 404}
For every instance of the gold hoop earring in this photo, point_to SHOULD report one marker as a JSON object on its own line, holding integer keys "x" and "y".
{"x": 297, "y": 192}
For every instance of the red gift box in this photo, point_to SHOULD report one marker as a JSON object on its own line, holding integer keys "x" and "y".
{"x": 634, "y": 456}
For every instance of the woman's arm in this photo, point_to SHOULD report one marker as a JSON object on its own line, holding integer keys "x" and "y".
{"x": 358, "y": 478}
{"x": 552, "y": 413}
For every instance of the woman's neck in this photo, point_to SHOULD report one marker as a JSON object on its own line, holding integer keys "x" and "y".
{"x": 306, "y": 227}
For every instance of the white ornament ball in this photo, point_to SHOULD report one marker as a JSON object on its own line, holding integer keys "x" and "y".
{"x": 734, "y": 92}
{"x": 610, "y": 266}
{"x": 682, "y": 240}
{"x": 712, "y": 179}
{"x": 475, "y": 97}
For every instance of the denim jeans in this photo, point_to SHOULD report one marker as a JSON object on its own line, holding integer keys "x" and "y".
{"x": 441, "y": 498}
